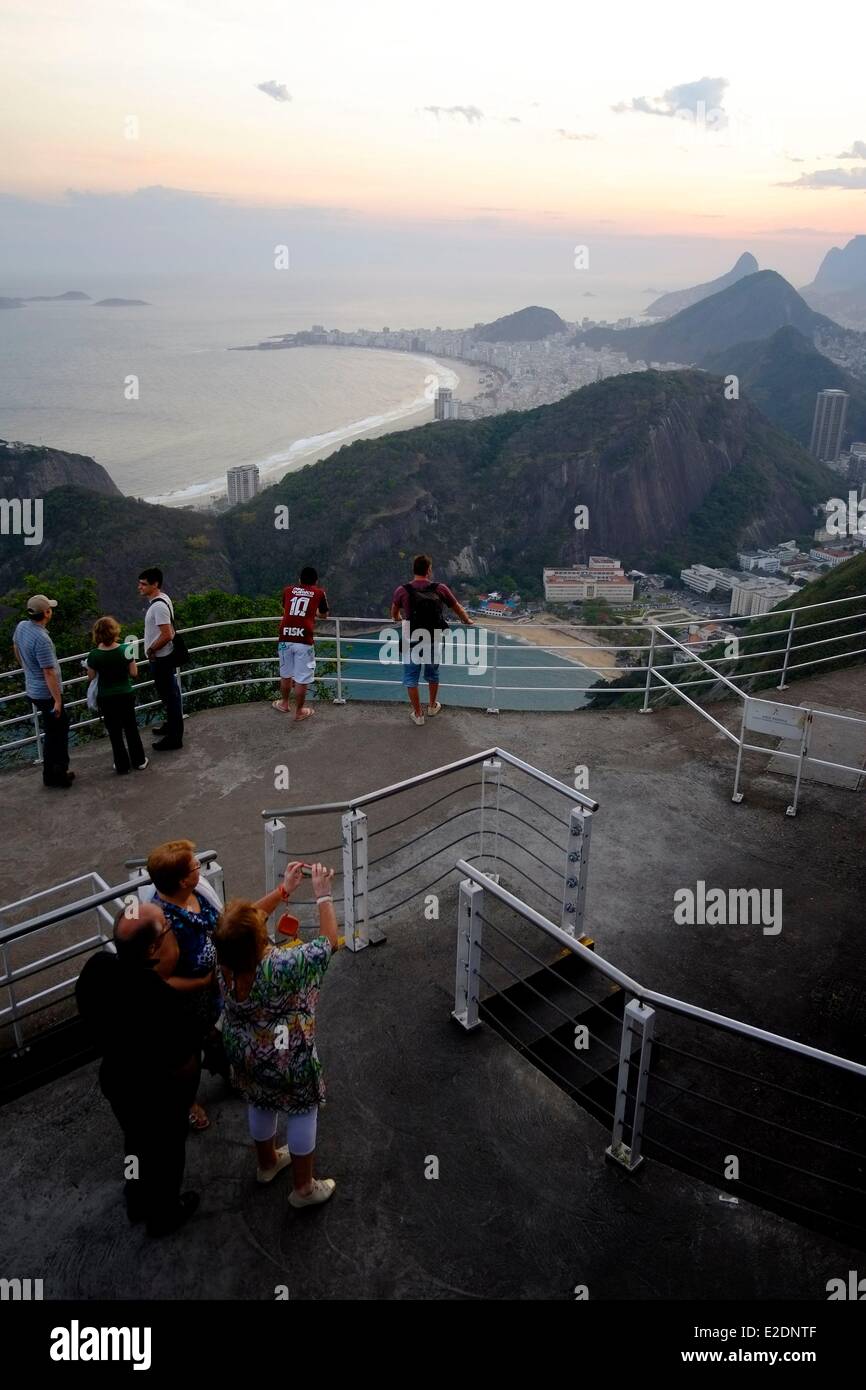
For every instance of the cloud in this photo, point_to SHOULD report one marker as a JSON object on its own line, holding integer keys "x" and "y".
{"x": 277, "y": 90}
{"x": 830, "y": 178}
{"x": 685, "y": 97}
{"x": 794, "y": 231}
{"x": 471, "y": 114}
{"x": 574, "y": 135}
{"x": 857, "y": 151}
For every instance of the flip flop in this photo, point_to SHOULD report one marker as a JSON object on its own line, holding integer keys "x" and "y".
{"x": 275, "y": 704}
{"x": 304, "y": 714}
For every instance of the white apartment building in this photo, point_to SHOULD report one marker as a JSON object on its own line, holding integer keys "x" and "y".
{"x": 751, "y": 597}
{"x": 242, "y": 482}
{"x": 703, "y": 578}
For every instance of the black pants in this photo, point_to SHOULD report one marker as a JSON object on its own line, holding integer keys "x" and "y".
{"x": 168, "y": 690}
{"x": 118, "y": 712}
{"x": 155, "y": 1124}
{"x": 55, "y": 748}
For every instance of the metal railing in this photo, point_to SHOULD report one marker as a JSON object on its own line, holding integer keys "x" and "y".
{"x": 776, "y": 719}
{"x": 488, "y": 682}
{"x": 49, "y": 938}
{"x": 485, "y": 821}
{"x": 798, "y": 1153}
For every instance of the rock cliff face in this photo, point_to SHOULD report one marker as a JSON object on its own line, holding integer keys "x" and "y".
{"x": 29, "y": 470}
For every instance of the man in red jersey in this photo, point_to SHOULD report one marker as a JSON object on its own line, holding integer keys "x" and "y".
{"x": 302, "y": 604}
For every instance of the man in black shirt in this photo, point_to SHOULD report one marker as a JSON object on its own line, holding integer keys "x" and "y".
{"x": 150, "y": 1068}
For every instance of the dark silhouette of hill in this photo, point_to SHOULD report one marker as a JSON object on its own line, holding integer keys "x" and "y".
{"x": 668, "y": 304}
{"x": 523, "y": 326}
{"x": 783, "y": 375}
{"x": 754, "y": 307}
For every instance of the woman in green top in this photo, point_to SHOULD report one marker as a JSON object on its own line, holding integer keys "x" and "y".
{"x": 111, "y": 663}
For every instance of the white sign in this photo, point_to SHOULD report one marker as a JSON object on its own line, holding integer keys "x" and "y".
{"x": 779, "y": 721}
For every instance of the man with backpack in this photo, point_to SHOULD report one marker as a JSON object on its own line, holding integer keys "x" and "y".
{"x": 421, "y": 605}
{"x": 164, "y": 651}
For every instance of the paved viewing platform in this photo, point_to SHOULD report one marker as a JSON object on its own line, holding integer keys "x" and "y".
{"x": 525, "y": 1206}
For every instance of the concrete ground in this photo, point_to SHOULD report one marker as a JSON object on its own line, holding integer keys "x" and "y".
{"x": 524, "y": 1206}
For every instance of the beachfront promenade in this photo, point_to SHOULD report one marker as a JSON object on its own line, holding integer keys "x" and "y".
{"x": 524, "y": 1205}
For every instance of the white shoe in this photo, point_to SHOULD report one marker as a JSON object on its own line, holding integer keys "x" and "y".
{"x": 417, "y": 718}
{"x": 139, "y": 767}
{"x": 323, "y": 1190}
{"x": 284, "y": 1158}
{"x": 434, "y": 709}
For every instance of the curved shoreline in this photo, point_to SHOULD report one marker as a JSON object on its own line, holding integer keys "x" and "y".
{"x": 317, "y": 447}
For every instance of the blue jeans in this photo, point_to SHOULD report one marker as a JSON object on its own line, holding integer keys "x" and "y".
{"x": 412, "y": 673}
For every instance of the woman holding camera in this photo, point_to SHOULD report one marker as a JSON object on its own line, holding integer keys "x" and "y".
{"x": 269, "y": 1029}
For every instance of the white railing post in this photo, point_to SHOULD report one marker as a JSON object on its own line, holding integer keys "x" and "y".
{"x": 276, "y": 853}
{"x": 782, "y": 685}
{"x": 637, "y": 1032}
{"x": 804, "y": 747}
{"x": 338, "y": 698}
{"x": 493, "y": 708}
{"x": 737, "y": 795}
{"x": 649, "y": 675}
{"x": 467, "y": 982}
{"x": 357, "y": 930}
{"x": 576, "y": 869}
{"x": 491, "y": 777}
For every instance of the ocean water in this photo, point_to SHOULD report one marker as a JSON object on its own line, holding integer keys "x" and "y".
{"x": 65, "y": 367}
{"x": 526, "y": 678}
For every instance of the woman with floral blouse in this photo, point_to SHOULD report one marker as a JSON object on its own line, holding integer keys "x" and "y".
{"x": 270, "y": 995}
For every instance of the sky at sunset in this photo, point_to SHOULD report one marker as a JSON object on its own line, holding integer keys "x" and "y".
{"x": 361, "y": 124}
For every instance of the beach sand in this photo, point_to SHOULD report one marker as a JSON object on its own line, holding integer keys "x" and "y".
{"x": 561, "y": 642}
{"x": 468, "y": 386}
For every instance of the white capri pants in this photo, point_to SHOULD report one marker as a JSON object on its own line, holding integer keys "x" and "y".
{"x": 300, "y": 1129}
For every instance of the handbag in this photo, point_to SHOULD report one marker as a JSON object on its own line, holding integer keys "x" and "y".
{"x": 92, "y": 688}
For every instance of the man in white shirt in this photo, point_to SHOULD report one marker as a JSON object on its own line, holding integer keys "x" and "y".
{"x": 159, "y": 650}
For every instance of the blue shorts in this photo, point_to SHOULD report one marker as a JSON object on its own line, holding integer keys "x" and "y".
{"x": 412, "y": 673}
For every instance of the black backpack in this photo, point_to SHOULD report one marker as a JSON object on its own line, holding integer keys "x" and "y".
{"x": 426, "y": 609}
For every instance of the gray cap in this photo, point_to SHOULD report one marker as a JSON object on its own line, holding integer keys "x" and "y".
{"x": 39, "y": 604}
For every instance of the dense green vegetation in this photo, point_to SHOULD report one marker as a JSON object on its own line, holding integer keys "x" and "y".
{"x": 783, "y": 375}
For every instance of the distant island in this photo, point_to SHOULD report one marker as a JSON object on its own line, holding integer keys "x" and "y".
{"x": 68, "y": 297}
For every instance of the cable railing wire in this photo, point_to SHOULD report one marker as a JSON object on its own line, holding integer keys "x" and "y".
{"x": 545, "y": 965}
{"x": 759, "y": 1081}
{"x": 544, "y": 1036}
{"x": 544, "y": 999}
{"x": 759, "y": 1119}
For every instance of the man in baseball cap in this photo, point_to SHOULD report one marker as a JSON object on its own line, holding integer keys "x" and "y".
{"x": 34, "y": 652}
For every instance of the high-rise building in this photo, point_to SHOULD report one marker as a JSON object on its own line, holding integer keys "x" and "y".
{"x": 243, "y": 482}
{"x": 444, "y": 406}
{"x": 831, "y": 408}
